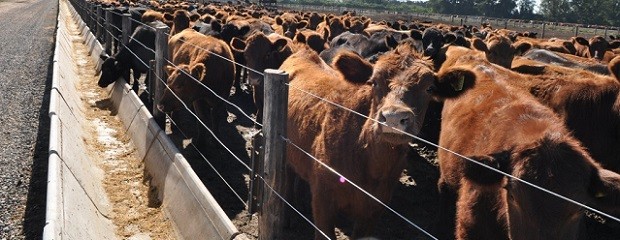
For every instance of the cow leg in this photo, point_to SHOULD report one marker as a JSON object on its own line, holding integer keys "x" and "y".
{"x": 364, "y": 226}
{"x": 475, "y": 208}
{"x": 205, "y": 114}
{"x": 323, "y": 211}
{"x": 444, "y": 227}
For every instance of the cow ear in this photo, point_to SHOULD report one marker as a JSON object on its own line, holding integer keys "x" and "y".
{"x": 353, "y": 67}
{"x": 390, "y": 42}
{"x": 614, "y": 44}
{"x": 452, "y": 83}
{"x": 416, "y": 34}
{"x": 216, "y": 26}
{"x": 612, "y": 37}
{"x": 479, "y": 45}
{"x": 483, "y": 175}
{"x": 325, "y": 34}
{"x": 237, "y": 45}
{"x": 302, "y": 24}
{"x": 198, "y": 71}
{"x": 280, "y": 44}
{"x": 194, "y": 17}
{"x": 522, "y": 48}
{"x": 279, "y": 20}
{"x": 168, "y": 17}
{"x": 581, "y": 41}
{"x": 366, "y": 23}
{"x": 605, "y": 188}
{"x": 244, "y": 30}
{"x": 300, "y": 38}
{"x": 347, "y": 23}
{"x": 449, "y": 38}
{"x": 614, "y": 67}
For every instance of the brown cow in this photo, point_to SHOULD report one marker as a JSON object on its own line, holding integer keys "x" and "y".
{"x": 589, "y": 103}
{"x": 194, "y": 61}
{"x": 261, "y": 52}
{"x": 181, "y": 20}
{"x": 503, "y": 126}
{"x": 331, "y": 26}
{"x": 369, "y": 154}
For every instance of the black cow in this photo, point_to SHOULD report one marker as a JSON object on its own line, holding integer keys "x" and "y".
{"x": 136, "y": 56}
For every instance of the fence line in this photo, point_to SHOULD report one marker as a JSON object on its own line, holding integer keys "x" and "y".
{"x": 352, "y": 111}
{"x": 461, "y": 156}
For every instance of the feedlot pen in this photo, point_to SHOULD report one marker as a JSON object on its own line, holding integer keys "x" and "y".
{"x": 135, "y": 207}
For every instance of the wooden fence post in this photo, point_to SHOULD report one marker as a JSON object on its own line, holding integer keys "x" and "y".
{"x": 126, "y": 28}
{"x": 576, "y": 30}
{"x": 542, "y": 35}
{"x": 257, "y": 163}
{"x": 605, "y": 33}
{"x": 151, "y": 83}
{"x": 98, "y": 22}
{"x": 506, "y": 24}
{"x": 108, "y": 36}
{"x": 271, "y": 218}
{"x": 160, "y": 78}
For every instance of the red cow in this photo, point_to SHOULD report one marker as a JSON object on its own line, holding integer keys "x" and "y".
{"x": 370, "y": 154}
{"x": 195, "y": 59}
{"x": 509, "y": 129}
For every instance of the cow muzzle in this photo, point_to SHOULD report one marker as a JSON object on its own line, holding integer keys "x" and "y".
{"x": 396, "y": 121}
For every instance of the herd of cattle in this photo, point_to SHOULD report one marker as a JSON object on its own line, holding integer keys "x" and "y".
{"x": 544, "y": 110}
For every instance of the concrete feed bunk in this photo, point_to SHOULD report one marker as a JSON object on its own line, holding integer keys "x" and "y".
{"x": 113, "y": 173}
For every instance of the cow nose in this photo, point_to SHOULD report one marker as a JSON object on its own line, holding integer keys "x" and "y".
{"x": 397, "y": 121}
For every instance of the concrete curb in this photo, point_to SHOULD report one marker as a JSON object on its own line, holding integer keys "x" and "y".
{"x": 75, "y": 196}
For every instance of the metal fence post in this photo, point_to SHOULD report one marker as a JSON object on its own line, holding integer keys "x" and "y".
{"x": 160, "y": 78}
{"x": 98, "y": 22}
{"x": 576, "y": 30}
{"x": 605, "y": 33}
{"x": 506, "y": 24}
{"x": 126, "y": 28}
{"x": 108, "y": 31}
{"x": 272, "y": 213}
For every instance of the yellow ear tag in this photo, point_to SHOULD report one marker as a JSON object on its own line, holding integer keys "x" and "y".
{"x": 600, "y": 195}
{"x": 458, "y": 86}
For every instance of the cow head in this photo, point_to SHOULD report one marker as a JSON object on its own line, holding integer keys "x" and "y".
{"x": 400, "y": 84}
{"x": 597, "y": 47}
{"x": 498, "y": 49}
{"x": 261, "y": 52}
{"x": 182, "y": 83}
{"x": 433, "y": 41}
{"x": 312, "y": 39}
{"x": 111, "y": 70}
{"x": 553, "y": 163}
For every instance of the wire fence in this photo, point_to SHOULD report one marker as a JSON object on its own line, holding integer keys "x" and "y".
{"x": 97, "y": 20}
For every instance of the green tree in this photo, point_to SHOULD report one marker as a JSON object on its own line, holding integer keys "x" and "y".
{"x": 525, "y": 8}
{"x": 555, "y": 10}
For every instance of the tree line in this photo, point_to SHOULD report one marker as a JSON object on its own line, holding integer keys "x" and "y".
{"x": 598, "y": 12}
{"x": 591, "y": 12}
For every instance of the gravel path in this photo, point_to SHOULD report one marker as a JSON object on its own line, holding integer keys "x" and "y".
{"x": 27, "y": 29}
